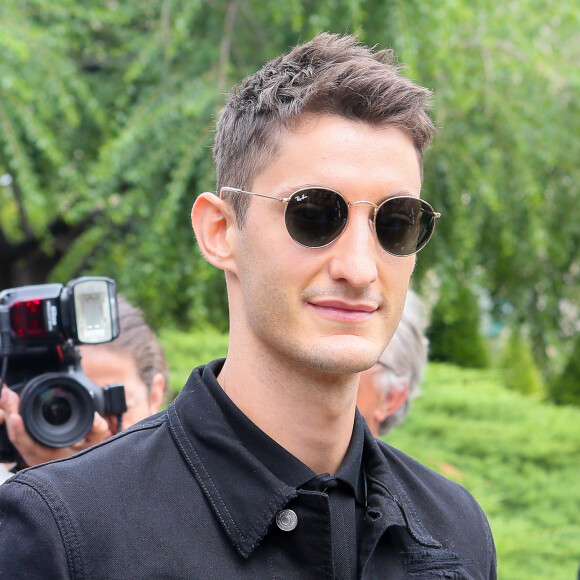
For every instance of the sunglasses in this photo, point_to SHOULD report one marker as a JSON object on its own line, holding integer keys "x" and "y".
{"x": 316, "y": 216}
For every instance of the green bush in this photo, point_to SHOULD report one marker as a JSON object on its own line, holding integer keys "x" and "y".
{"x": 520, "y": 370}
{"x": 187, "y": 350}
{"x": 454, "y": 334}
{"x": 565, "y": 390}
{"x": 516, "y": 454}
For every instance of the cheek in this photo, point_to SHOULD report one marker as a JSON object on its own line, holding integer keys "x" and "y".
{"x": 264, "y": 279}
{"x": 264, "y": 245}
{"x": 396, "y": 270}
{"x": 395, "y": 275}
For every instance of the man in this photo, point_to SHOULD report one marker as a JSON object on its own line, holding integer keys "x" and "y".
{"x": 386, "y": 389}
{"x": 261, "y": 468}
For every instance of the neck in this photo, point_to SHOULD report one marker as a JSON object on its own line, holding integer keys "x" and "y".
{"x": 309, "y": 413}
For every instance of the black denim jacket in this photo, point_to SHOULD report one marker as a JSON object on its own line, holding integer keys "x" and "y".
{"x": 179, "y": 496}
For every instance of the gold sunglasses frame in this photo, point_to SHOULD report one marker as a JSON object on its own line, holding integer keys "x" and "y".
{"x": 376, "y": 207}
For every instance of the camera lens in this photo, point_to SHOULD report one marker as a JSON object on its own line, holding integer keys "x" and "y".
{"x": 56, "y": 406}
{"x": 57, "y": 409}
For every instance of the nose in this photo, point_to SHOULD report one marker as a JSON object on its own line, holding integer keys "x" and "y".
{"x": 354, "y": 254}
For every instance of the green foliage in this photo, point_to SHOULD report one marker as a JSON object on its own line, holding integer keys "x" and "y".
{"x": 454, "y": 333}
{"x": 46, "y": 108}
{"x": 187, "y": 350}
{"x": 106, "y": 117}
{"x": 565, "y": 389}
{"x": 519, "y": 367}
{"x": 518, "y": 456}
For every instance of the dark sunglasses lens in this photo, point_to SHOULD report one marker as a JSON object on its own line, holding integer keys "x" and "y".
{"x": 315, "y": 217}
{"x": 404, "y": 225}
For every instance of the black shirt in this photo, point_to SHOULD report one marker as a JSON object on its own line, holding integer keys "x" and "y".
{"x": 345, "y": 490}
{"x": 179, "y": 495}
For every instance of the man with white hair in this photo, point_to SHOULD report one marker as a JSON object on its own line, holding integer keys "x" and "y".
{"x": 387, "y": 388}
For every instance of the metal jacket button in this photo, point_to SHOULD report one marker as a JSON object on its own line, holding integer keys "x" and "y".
{"x": 287, "y": 520}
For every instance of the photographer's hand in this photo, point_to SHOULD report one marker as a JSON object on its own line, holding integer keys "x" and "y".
{"x": 32, "y": 452}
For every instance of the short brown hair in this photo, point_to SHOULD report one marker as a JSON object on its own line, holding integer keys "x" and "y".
{"x": 331, "y": 74}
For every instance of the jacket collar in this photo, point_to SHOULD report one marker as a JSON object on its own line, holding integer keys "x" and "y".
{"x": 243, "y": 492}
{"x": 387, "y": 494}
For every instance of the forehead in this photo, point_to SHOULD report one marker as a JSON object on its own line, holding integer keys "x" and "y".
{"x": 104, "y": 366}
{"x": 358, "y": 159}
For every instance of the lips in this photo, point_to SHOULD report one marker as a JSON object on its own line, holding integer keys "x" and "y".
{"x": 344, "y": 311}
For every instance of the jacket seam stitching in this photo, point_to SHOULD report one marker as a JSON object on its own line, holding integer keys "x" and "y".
{"x": 200, "y": 479}
{"x": 66, "y": 529}
{"x": 256, "y": 532}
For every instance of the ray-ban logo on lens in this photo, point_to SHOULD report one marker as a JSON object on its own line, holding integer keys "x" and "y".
{"x": 301, "y": 197}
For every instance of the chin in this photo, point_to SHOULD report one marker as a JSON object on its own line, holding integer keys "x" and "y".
{"x": 351, "y": 356}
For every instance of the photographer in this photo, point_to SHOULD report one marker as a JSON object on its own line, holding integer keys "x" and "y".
{"x": 135, "y": 359}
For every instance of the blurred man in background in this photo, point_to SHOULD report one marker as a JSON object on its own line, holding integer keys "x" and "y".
{"x": 387, "y": 388}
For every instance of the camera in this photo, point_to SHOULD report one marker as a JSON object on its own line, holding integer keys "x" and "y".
{"x": 41, "y": 328}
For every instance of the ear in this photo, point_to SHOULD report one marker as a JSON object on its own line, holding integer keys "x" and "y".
{"x": 392, "y": 402}
{"x": 157, "y": 393}
{"x": 213, "y": 221}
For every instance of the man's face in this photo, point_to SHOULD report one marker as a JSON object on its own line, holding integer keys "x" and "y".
{"x": 331, "y": 309}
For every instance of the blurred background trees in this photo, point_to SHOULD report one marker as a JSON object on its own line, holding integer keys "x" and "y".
{"x": 106, "y": 120}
